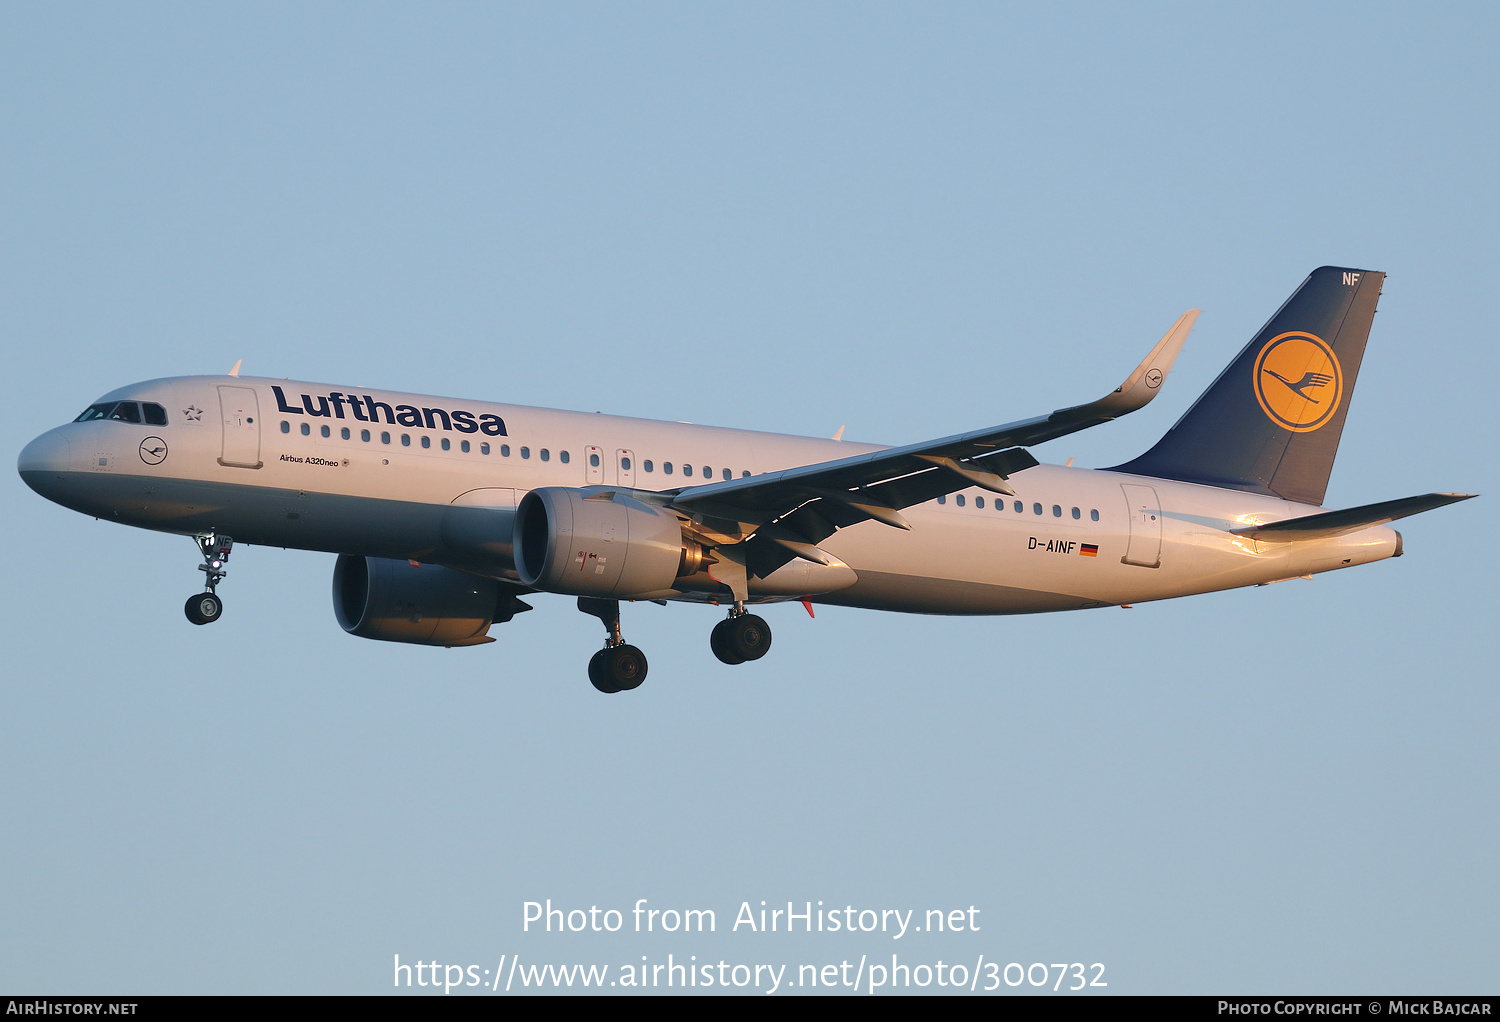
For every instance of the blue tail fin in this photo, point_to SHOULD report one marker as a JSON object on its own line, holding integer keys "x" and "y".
{"x": 1271, "y": 422}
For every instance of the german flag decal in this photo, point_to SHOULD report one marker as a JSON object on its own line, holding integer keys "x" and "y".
{"x": 1089, "y": 550}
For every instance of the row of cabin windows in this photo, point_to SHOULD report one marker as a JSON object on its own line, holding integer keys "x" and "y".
{"x": 1020, "y": 507}
{"x": 425, "y": 441}
{"x": 706, "y": 471}
{"x": 545, "y": 454}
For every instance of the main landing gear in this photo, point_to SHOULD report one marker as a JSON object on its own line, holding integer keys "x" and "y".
{"x": 740, "y": 637}
{"x": 206, "y": 607}
{"x": 618, "y": 667}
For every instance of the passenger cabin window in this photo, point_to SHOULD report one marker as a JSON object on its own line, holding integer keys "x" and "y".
{"x": 426, "y": 440}
{"x": 1094, "y": 515}
{"x": 979, "y": 502}
{"x": 666, "y": 467}
{"x": 546, "y": 454}
{"x": 447, "y": 444}
{"x": 1077, "y": 514}
{"x": 484, "y": 448}
{"x": 943, "y": 499}
{"x": 564, "y": 457}
{"x": 959, "y": 500}
{"x": 364, "y": 435}
{"x": 344, "y": 433}
{"x": 728, "y": 474}
{"x": 306, "y": 429}
{"x": 647, "y": 464}
{"x": 463, "y": 445}
{"x": 286, "y": 427}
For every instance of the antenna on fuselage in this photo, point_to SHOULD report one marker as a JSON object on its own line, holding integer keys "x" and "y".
{"x": 236, "y": 370}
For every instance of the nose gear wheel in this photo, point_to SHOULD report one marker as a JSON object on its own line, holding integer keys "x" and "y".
{"x": 205, "y": 608}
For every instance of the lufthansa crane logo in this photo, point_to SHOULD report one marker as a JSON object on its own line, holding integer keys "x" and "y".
{"x": 1298, "y": 381}
{"x": 153, "y": 450}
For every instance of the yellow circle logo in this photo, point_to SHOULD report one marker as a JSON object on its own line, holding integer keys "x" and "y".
{"x": 1298, "y": 382}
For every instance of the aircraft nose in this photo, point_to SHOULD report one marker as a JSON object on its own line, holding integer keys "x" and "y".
{"x": 44, "y": 460}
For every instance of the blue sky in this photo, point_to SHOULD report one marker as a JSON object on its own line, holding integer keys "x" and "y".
{"x": 904, "y": 219}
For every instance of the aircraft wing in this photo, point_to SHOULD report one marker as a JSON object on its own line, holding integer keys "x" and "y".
{"x": 786, "y": 514}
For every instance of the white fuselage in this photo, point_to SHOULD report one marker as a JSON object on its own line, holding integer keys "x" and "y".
{"x": 437, "y": 485}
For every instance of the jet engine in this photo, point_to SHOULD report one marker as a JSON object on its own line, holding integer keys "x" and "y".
{"x": 603, "y": 544}
{"x": 379, "y": 598}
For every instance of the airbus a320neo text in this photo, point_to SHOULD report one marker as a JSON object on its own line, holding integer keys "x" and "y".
{"x": 445, "y": 513}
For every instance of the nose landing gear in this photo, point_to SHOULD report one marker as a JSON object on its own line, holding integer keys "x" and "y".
{"x": 206, "y": 607}
{"x": 618, "y": 667}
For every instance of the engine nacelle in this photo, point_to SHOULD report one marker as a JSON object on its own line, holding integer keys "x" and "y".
{"x": 379, "y": 598}
{"x": 604, "y": 544}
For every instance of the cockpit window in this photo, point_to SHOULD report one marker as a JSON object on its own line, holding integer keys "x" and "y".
{"x": 125, "y": 411}
{"x": 93, "y": 412}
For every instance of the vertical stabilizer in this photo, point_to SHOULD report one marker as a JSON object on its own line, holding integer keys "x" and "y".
{"x": 1271, "y": 422}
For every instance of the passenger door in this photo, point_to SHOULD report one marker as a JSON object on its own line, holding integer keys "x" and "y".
{"x": 240, "y": 413}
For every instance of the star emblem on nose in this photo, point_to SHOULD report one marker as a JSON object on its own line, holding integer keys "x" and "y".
{"x": 193, "y": 413}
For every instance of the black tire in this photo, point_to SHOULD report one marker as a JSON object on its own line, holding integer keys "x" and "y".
{"x": 749, "y": 636}
{"x": 203, "y": 608}
{"x": 627, "y": 667}
{"x": 599, "y": 672}
{"x": 720, "y": 642}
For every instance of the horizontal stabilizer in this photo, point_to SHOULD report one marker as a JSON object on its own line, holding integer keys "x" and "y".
{"x": 1336, "y": 523}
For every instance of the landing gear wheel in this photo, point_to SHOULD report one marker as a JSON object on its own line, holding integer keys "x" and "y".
{"x": 749, "y": 636}
{"x": 203, "y": 608}
{"x": 617, "y": 668}
{"x": 738, "y": 639}
{"x": 599, "y": 672}
{"x": 721, "y": 643}
{"x": 628, "y": 667}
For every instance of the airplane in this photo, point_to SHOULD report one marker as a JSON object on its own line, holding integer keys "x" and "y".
{"x": 444, "y": 513}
